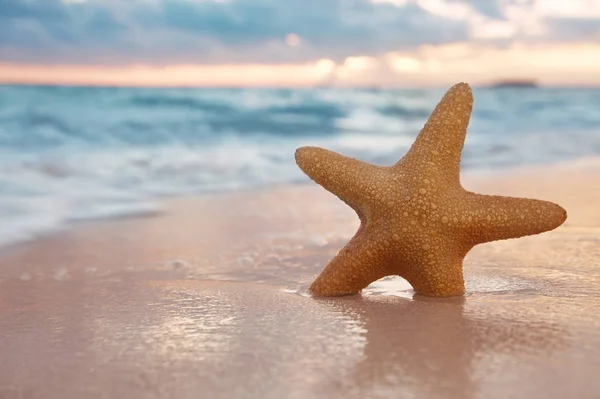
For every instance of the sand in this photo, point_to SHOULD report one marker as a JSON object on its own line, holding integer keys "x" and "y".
{"x": 205, "y": 300}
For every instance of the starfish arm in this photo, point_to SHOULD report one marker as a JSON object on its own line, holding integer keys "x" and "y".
{"x": 357, "y": 265}
{"x": 438, "y": 273}
{"x": 492, "y": 217}
{"x": 439, "y": 145}
{"x": 347, "y": 178}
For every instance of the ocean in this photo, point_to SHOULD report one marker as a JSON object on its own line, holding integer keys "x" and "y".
{"x": 77, "y": 153}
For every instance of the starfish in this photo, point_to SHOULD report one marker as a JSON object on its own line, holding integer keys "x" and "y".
{"x": 416, "y": 220}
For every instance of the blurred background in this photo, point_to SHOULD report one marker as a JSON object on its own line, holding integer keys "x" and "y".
{"x": 108, "y": 105}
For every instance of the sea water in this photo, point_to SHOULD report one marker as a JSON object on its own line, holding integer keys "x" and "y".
{"x": 79, "y": 153}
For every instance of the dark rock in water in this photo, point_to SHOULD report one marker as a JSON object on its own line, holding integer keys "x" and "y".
{"x": 515, "y": 83}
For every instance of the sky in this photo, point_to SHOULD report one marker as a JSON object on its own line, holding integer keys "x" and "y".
{"x": 236, "y": 43}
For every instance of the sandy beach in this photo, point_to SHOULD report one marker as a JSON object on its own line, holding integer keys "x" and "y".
{"x": 206, "y": 300}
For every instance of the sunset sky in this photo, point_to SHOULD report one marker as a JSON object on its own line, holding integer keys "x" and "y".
{"x": 298, "y": 42}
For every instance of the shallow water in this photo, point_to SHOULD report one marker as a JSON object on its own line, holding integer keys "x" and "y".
{"x": 70, "y": 154}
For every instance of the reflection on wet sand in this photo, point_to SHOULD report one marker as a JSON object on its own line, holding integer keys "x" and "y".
{"x": 437, "y": 348}
{"x": 174, "y": 338}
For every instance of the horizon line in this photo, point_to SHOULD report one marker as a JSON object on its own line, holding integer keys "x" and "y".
{"x": 479, "y": 85}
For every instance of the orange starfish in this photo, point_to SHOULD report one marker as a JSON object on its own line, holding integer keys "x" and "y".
{"x": 417, "y": 221}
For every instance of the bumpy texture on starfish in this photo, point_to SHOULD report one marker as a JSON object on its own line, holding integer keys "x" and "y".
{"x": 416, "y": 219}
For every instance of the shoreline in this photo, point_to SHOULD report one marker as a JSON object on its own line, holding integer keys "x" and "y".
{"x": 553, "y": 183}
{"x": 520, "y": 181}
{"x": 583, "y": 165}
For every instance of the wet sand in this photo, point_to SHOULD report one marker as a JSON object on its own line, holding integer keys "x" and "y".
{"x": 205, "y": 301}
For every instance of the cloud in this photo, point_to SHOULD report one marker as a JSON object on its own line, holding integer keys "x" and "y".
{"x": 162, "y": 32}
{"x": 49, "y": 30}
{"x": 210, "y": 31}
{"x": 573, "y": 29}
